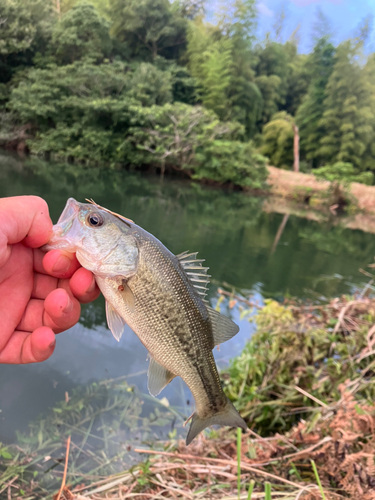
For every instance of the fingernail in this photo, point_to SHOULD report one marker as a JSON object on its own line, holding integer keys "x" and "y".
{"x": 91, "y": 288}
{"x": 62, "y": 264}
{"x": 69, "y": 306}
{"x": 52, "y": 344}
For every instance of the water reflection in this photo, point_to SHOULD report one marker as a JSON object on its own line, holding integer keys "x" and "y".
{"x": 229, "y": 230}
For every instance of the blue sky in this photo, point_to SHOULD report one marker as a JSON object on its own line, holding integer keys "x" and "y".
{"x": 345, "y": 16}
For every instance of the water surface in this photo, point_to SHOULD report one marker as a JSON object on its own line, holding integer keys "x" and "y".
{"x": 229, "y": 229}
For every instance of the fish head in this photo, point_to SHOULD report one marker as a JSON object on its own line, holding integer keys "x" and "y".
{"x": 102, "y": 241}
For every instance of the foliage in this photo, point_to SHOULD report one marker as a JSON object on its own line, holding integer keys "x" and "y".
{"x": 209, "y": 63}
{"x": 313, "y": 349}
{"x": 348, "y": 120}
{"x": 277, "y": 140}
{"x": 148, "y": 27}
{"x": 81, "y": 33}
{"x": 344, "y": 173}
{"x": 168, "y": 53}
{"x": 192, "y": 139}
{"x": 310, "y": 112}
{"x": 25, "y": 28}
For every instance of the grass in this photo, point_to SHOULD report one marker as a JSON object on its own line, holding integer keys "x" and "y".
{"x": 304, "y": 382}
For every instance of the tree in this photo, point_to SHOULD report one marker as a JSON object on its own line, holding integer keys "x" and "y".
{"x": 244, "y": 96}
{"x": 344, "y": 173}
{"x": 149, "y": 27}
{"x": 348, "y": 119}
{"x": 25, "y": 28}
{"x": 277, "y": 140}
{"x": 149, "y": 86}
{"x": 271, "y": 77}
{"x": 310, "y": 112}
{"x": 209, "y": 56}
{"x": 81, "y": 33}
{"x": 192, "y": 139}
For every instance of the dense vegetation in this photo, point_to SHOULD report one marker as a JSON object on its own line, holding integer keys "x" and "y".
{"x": 153, "y": 82}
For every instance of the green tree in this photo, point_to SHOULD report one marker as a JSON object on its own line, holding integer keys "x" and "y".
{"x": 149, "y": 85}
{"x": 271, "y": 77}
{"x": 344, "y": 173}
{"x": 309, "y": 114}
{"x": 149, "y": 27}
{"x": 277, "y": 140}
{"x": 25, "y": 28}
{"x": 210, "y": 64}
{"x": 348, "y": 119}
{"x": 244, "y": 96}
{"x": 77, "y": 110}
{"x": 81, "y": 33}
{"x": 192, "y": 139}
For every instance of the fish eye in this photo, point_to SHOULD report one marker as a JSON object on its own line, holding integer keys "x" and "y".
{"x": 95, "y": 220}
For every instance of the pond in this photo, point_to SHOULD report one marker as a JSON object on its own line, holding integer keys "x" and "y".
{"x": 229, "y": 229}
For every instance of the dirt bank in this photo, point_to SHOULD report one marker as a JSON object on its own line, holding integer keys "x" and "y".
{"x": 315, "y": 193}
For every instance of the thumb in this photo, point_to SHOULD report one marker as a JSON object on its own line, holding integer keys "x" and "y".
{"x": 23, "y": 218}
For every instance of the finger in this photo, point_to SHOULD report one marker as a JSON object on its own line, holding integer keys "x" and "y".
{"x": 83, "y": 286}
{"x": 61, "y": 310}
{"x": 23, "y": 218}
{"x": 43, "y": 285}
{"x": 60, "y": 264}
{"x": 26, "y": 347}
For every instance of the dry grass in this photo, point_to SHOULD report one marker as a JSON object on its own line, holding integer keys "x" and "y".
{"x": 288, "y": 184}
{"x": 341, "y": 442}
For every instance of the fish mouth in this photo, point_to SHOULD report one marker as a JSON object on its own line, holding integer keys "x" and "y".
{"x": 61, "y": 229}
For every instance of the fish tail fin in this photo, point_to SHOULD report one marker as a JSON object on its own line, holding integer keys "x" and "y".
{"x": 229, "y": 416}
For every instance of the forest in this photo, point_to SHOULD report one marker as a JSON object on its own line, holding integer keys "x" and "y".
{"x": 159, "y": 84}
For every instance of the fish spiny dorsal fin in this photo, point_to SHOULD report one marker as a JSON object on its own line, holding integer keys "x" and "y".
{"x": 109, "y": 211}
{"x": 196, "y": 273}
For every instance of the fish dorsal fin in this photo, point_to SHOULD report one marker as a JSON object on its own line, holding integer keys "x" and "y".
{"x": 115, "y": 322}
{"x": 196, "y": 273}
{"x": 223, "y": 328}
{"x": 158, "y": 377}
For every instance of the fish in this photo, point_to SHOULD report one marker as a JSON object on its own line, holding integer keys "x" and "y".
{"x": 161, "y": 296}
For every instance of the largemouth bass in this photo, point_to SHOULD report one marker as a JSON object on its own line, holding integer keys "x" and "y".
{"x": 161, "y": 297}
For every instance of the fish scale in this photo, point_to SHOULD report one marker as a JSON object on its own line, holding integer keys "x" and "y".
{"x": 160, "y": 296}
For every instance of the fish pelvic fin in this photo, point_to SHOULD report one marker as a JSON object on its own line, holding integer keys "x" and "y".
{"x": 229, "y": 416}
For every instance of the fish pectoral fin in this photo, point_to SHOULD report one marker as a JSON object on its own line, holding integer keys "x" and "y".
{"x": 115, "y": 322}
{"x": 223, "y": 328}
{"x": 229, "y": 416}
{"x": 158, "y": 377}
{"x": 127, "y": 295}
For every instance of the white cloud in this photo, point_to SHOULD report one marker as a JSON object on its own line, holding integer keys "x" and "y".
{"x": 264, "y": 10}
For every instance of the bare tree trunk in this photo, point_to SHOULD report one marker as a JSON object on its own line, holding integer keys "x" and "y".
{"x": 58, "y": 9}
{"x": 296, "y": 148}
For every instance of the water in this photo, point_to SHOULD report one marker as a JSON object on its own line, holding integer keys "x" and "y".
{"x": 229, "y": 230}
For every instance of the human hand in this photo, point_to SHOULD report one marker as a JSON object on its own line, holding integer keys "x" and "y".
{"x": 40, "y": 293}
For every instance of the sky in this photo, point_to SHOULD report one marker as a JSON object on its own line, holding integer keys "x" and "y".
{"x": 345, "y": 16}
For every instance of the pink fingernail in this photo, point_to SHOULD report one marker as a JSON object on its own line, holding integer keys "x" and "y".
{"x": 62, "y": 264}
{"x": 69, "y": 306}
{"x": 91, "y": 288}
{"x": 53, "y": 343}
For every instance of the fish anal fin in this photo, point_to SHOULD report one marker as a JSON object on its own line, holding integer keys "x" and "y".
{"x": 229, "y": 416}
{"x": 158, "y": 377}
{"x": 223, "y": 328}
{"x": 115, "y": 322}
